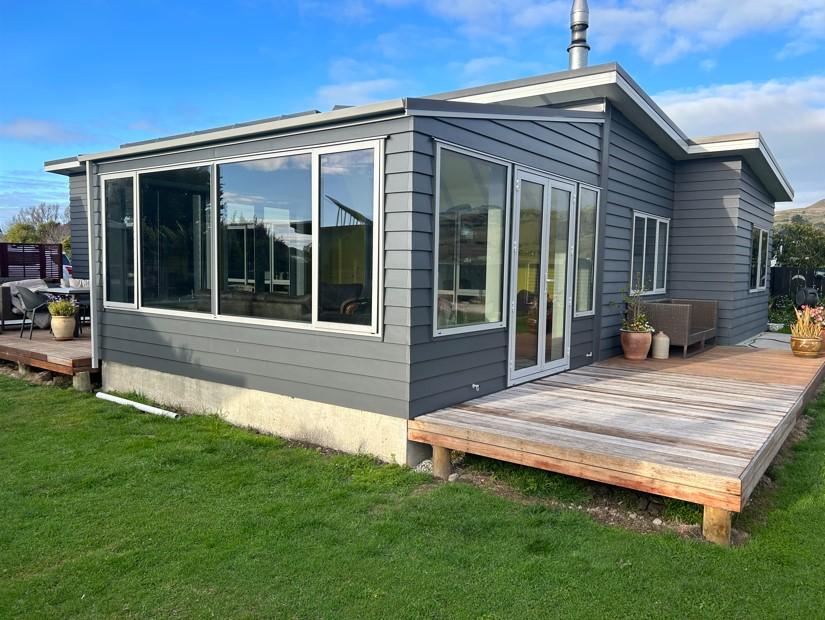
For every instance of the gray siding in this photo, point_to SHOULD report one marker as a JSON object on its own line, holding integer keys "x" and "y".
{"x": 444, "y": 369}
{"x": 717, "y": 203}
{"x": 640, "y": 177}
{"x": 362, "y": 372}
{"x": 78, "y": 224}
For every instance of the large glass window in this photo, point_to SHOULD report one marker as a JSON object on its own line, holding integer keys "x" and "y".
{"x": 472, "y": 202}
{"x": 648, "y": 269}
{"x": 120, "y": 240}
{"x": 345, "y": 241}
{"x": 175, "y": 239}
{"x": 586, "y": 250}
{"x": 265, "y": 238}
{"x": 759, "y": 259}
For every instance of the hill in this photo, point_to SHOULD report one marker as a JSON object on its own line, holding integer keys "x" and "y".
{"x": 815, "y": 214}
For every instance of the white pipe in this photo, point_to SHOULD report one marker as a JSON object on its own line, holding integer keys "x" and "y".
{"x": 138, "y": 406}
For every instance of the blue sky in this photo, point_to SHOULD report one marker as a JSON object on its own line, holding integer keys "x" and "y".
{"x": 88, "y": 75}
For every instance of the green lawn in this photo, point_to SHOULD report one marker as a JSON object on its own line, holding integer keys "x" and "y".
{"x": 105, "y": 512}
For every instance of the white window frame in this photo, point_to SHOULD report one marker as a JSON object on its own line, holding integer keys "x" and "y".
{"x": 762, "y": 261}
{"x": 594, "y": 296}
{"x": 655, "y": 218}
{"x": 464, "y": 329}
{"x": 135, "y": 235}
{"x": 372, "y": 330}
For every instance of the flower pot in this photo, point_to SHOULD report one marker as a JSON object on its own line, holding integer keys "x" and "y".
{"x": 63, "y": 327}
{"x": 636, "y": 345}
{"x": 806, "y": 347}
{"x": 822, "y": 337}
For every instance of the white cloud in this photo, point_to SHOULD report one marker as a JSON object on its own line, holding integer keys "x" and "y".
{"x": 789, "y": 113}
{"x": 357, "y": 92}
{"x": 38, "y": 131}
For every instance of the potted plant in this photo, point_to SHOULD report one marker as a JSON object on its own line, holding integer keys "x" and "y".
{"x": 636, "y": 333}
{"x": 818, "y": 317}
{"x": 63, "y": 313}
{"x": 806, "y": 334}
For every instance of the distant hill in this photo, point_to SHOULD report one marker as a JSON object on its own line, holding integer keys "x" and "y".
{"x": 815, "y": 214}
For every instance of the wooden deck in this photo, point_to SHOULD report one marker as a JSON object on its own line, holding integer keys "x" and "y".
{"x": 70, "y": 357}
{"x": 702, "y": 430}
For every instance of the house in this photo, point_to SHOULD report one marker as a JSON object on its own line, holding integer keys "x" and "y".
{"x": 328, "y": 276}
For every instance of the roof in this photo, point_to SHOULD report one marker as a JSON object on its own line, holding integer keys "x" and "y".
{"x": 523, "y": 98}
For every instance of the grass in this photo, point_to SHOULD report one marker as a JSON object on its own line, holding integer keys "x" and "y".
{"x": 105, "y": 512}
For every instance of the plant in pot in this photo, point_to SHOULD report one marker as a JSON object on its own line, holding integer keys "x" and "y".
{"x": 636, "y": 333}
{"x": 806, "y": 334}
{"x": 818, "y": 317}
{"x": 63, "y": 313}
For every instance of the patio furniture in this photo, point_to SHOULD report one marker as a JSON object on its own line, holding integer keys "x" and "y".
{"x": 30, "y": 302}
{"x": 688, "y": 322}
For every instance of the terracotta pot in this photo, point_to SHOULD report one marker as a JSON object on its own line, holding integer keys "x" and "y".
{"x": 63, "y": 327}
{"x": 822, "y": 334}
{"x": 636, "y": 345}
{"x": 806, "y": 347}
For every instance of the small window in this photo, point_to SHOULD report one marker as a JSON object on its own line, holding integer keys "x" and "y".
{"x": 586, "y": 250}
{"x": 648, "y": 268}
{"x": 471, "y": 210}
{"x": 119, "y": 208}
{"x": 759, "y": 259}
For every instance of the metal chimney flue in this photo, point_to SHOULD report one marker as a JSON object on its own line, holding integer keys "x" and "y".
{"x": 579, "y": 21}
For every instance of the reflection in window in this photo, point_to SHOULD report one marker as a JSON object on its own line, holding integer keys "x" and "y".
{"x": 345, "y": 251}
{"x": 175, "y": 239}
{"x": 470, "y": 263}
{"x": 649, "y": 261}
{"x": 265, "y": 238}
{"x": 759, "y": 258}
{"x": 586, "y": 249}
{"x": 120, "y": 241}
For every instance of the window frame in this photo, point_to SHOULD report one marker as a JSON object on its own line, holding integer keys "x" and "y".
{"x": 507, "y": 248}
{"x": 594, "y": 297}
{"x": 135, "y": 250}
{"x": 377, "y": 144}
{"x": 762, "y": 262}
{"x": 657, "y": 219}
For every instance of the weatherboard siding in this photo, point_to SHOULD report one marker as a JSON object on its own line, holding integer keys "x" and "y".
{"x": 444, "y": 369}
{"x": 362, "y": 372}
{"x": 640, "y": 177}
{"x": 78, "y": 226}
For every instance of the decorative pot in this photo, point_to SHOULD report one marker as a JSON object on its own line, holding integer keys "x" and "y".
{"x": 661, "y": 346}
{"x": 806, "y": 347}
{"x": 636, "y": 345}
{"x": 822, "y": 335}
{"x": 63, "y": 327}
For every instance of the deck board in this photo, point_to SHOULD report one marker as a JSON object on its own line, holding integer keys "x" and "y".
{"x": 703, "y": 429}
{"x": 68, "y": 357}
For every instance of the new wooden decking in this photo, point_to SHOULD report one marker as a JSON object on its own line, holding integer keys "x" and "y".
{"x": 702, "y": 430}
{"x": 70, "y": 357}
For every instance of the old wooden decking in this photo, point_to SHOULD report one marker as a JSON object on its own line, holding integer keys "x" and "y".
{"x": 702, "y": 430}
{"x": 70, "y": 357}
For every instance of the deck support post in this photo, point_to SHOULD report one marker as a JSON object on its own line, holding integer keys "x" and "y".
{"x": 82, "y": 382}
{"x": 23, "y": 370}
{"x": 442, "y": 466}
{"x": 716, "y": 525}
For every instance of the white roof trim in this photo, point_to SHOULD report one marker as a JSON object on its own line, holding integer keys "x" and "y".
{"x": 543, "y": 88}
{"x": 63, "y": 166}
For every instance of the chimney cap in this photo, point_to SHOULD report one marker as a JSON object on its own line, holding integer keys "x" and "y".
{"x": 579, "y": 13}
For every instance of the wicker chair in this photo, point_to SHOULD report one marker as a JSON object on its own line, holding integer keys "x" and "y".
{"x": 686, "y": 321}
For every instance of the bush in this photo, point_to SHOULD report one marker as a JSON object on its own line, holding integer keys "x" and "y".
{"x": 62, "y": 307}
{"x": 781, "y": 310}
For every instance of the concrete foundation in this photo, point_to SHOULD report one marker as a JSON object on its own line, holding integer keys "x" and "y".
{"x": 332, "y": 426}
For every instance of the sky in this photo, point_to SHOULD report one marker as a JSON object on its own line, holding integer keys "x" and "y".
{"x": 85, "y": 76}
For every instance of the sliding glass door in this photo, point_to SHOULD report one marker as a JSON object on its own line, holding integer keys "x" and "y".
{"x": 541, "y": 295}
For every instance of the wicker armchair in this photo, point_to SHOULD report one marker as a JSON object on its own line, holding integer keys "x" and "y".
{"x": 686, "y": 321}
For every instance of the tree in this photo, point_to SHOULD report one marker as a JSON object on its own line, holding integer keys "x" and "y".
{"x": 42, "y": 214}
{"x": 20, "y": 232}
{"x": 800, "y": 244}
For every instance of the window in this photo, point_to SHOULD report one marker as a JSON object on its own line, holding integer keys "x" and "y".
{"x": 345, "y": 237}
{"x": 470, "y": 236}
{"x": 586, "y": 250}
{"x": 119, "y": 214}
{"x": 294, "y": 238}
{"x": 759, "y": 259}
{"x": 648, "y": 268}
{"x": 265, "y": 238}
{"x": 175, "y": 234}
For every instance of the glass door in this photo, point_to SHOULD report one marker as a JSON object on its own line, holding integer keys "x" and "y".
{"x": 541, "y": 295}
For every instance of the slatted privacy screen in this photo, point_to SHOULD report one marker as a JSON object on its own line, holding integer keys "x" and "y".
{"x": 24, "y": 261}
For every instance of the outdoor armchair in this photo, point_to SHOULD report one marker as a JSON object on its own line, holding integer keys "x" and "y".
{"x": 686, "y": 321}
{"x": 30, "y": 302}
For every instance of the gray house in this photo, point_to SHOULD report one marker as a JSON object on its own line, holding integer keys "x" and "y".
{"x": 329, "y": 276}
